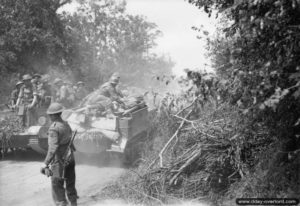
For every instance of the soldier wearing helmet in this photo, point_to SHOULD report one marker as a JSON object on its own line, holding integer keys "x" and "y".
{"x": 34, "y": 83}
{"x": 37, "y": 77}
{"x": 70, "y": 93}
{"x": 109, "y": 89}
{"x": 36, "y": 80}
{"x": 44, "y": 91}
{"x": 63, "y": 92}
{"x": 57, "y": 83}
{"x": 59, "y": 137}
{"x": 27, "y": 100}
{"x": 15, "y": 93}
{"x": 81, "y": 91}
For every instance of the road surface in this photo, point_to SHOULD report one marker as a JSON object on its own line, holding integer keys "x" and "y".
{"x": 22, "y": 184}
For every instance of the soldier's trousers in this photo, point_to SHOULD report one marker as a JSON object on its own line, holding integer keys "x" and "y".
{"x": 59, "y": 192}
{"x": 29, "y": 118}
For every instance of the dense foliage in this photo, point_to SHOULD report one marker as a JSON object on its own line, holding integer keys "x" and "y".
{"x": 257, "y": 55}
{"x": 89, "y": 44}
{"x": 107, "y": 40}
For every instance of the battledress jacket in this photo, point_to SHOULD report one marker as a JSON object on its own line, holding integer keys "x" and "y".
{"x": 26, "y": 94}
{"x": 59, "y": 136}
{"x": 109, "y": 91}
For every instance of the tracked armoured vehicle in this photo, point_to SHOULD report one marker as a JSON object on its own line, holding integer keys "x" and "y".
{"x": 95, "y": 134}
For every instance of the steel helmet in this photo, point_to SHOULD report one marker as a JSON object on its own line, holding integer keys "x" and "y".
{"x": 114, "y": 79}
{"x": 36, "y": 75}
{"x": 116, "y": 74}
{"x": 57, "y": 80}
{"x": 27, "y": 77}
{"x": 55, "y": 108}
{"x": 19, "y": 83}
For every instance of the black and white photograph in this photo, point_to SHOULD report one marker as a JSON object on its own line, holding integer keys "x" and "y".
{"x": 149, "y": 102}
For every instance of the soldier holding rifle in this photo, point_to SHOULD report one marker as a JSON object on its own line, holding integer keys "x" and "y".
{"x": 60, "y": 157}
{"x": 15, "y": 94}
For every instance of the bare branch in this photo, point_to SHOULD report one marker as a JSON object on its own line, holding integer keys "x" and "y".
{"x": 170, "y": 140}
{"x": 187, "y": 106}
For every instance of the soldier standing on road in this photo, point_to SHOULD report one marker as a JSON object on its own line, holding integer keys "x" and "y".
{"x": 15, "y": 93}
{"x": 27, "y": 101}
{"x": 59, "y": 137}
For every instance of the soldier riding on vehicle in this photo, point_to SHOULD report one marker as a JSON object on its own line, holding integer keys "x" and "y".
{"x": 61, "y": 92}
{"x": 109, "y": 89}
{"x": 81, "y": 92}
{"x": 44, "y": 92}
{"x": 57, "y": 83}
{"x": 27, "y": 101}
{"x": 14, "y": 94}
{"x": 35, "y": 81}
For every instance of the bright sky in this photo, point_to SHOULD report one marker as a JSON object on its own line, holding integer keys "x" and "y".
{"x": 175, "y": 19}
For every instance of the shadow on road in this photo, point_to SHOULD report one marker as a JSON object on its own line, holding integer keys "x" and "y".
{"x": 23, "y": 155}
{"x": 97, "y": 160}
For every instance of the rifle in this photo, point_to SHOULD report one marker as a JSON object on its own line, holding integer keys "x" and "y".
{"x": 68, "y": 154}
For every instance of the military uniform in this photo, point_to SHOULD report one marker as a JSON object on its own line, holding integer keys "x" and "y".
{"x": 59, "y": 136}
{"x": 26, "y": 95}
{"x": 108, "y": 90}
{"x": 81, "y": 93}
{"x": 35, "y": 84}
{"x": 71, "y": 94}
{"x": 14, "y": 96}
{"x": 45, "y": 94}
{"x": 63, "y": 95}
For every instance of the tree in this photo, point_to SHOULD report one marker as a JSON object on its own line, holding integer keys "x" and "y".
{"x": 90, "y": 44}
{"x": 108, "y": 40}
{"x": 31, "y": 35}
{"x": 258, "y": 54}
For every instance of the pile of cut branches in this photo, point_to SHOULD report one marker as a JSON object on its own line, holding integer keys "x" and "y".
{"x": 203, "y": 157}
{"x": 195, "y": 155}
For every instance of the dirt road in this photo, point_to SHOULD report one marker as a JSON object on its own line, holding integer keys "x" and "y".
{"x": 22, "y": 184}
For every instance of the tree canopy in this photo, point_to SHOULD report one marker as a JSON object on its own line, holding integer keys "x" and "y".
{"x": 256, "y": 53}
{"x": 99, "y": 38}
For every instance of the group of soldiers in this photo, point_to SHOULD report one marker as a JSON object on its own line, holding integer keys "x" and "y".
{"x": 68, "y": 94}
{"x": 35, "y": 91}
